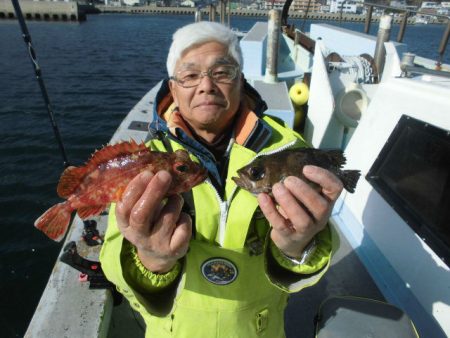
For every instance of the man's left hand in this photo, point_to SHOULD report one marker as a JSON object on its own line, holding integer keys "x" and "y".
{"x": 299, "y": 211}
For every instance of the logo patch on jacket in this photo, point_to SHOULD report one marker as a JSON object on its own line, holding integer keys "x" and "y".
{"x": 219, "y": 271}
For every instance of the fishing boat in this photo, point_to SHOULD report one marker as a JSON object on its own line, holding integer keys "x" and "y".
{"x": 388, "y": 110}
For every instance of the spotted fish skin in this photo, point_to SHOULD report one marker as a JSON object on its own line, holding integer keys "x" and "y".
{"x": 260, "y": 175}
{"x": 103, "y": 179}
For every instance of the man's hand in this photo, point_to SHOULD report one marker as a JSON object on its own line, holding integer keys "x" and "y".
{"x": 299, "y": 211}
{"x": 153, "y": 223}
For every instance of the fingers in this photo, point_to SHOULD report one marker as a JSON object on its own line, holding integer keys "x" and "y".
{"x": 167, "y": 219}
{"x": 181, "y": 235}
{"x": 141, "y": 200}
{"x": 300, "y": 208}
{"x": 331, "y": 185}
{"x": 300, "y": 201}
{"x": 147, "y": 207}
{"x": 272, "y": 214}
{"x": 131, "y": 195}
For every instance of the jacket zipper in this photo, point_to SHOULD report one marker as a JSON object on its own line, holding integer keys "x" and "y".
{"x": 223, "y": 209}
{"x": 224, "y": 205}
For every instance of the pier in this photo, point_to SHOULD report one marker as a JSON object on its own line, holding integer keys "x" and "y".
{"x": 72, "y": 11}
{"x": 44, "y": 10}
{"x": 154, "y": 10}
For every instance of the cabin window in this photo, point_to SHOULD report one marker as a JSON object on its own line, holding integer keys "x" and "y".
{"x": 412, "y": 173}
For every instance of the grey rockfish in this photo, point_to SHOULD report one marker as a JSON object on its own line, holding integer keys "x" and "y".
{"x": 260, "y": 175}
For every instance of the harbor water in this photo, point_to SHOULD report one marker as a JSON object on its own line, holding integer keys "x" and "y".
{"x": 95, "y": 72}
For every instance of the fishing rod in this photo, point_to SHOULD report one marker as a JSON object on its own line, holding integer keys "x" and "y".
{"x": 37, "y": 70}
{"x": 90, "y": 232}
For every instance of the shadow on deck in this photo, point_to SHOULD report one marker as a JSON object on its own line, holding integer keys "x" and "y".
{"x": 346, "y": 276}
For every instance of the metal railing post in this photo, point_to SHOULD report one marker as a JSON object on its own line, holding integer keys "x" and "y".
{"x": 384, "y": 32}
{"x": 198, "y": 15}
{"x": 273, "y": 36}
{"x": 368, "y": 19}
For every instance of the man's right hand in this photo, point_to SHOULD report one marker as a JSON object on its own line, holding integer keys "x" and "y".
{"x": 153, "y": 223}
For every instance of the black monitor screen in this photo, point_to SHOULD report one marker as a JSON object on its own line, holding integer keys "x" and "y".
{"x": 412, "y": 173}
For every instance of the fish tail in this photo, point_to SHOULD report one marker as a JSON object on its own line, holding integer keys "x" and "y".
{"x": 349, "y": 179}
{"x": 55, "y": 221}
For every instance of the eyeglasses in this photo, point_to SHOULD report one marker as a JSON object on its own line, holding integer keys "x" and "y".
{"x": 218, "y": 74}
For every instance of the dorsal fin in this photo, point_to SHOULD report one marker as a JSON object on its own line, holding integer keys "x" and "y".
{"x": 335, "y": 157}
{"x": 111, "y": 151}
{"x": 70, "y": 181}
{"x": 72, "y": 177}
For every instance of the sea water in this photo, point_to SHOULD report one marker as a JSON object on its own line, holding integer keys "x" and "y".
{"x": 94, "y": 72}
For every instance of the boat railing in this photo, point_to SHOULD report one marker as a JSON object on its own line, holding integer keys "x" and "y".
{"x": 406, "y": 12}
{"x": 408, "y": 67}
{"x": 404, "y": 22}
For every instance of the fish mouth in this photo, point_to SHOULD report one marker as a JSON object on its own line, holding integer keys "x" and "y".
{"x": 201, "y": 176}
{"x": 239, "y": 182}
{"x": 251, "y": 187}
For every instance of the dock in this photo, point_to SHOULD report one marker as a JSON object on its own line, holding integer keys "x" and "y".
{"x": 314, "y": 16}
{"x": 44, "y": 10}
{"x": 72, "y": 11}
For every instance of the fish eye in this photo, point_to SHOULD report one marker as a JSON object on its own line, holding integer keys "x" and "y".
{"x": 182, "y": 168}
{"x": 256, "y": 173}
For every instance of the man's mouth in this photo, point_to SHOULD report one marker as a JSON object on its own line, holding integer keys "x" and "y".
{"x": 210, "y": 103}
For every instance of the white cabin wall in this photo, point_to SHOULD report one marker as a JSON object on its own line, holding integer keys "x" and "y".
{"x": 347, "y": 42}
{"x": 422, "y": 272}
{"x": 253, "y": 47}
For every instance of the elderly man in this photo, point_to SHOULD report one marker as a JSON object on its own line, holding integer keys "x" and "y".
{"x": 217, "y": 262}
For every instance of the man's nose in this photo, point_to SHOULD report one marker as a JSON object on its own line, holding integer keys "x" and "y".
{"x": 206, "y": 83}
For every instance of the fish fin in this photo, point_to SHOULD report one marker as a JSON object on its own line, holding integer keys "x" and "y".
{"x": 335, "y": 157}
{"x": 70, "y": 180}
{"x": 72, "y": 177}
{"x": 349, "y": 179}
{"x": 110, "y": 151}
{"x": 92, "y": 210}
{"x": 55, "y": 221}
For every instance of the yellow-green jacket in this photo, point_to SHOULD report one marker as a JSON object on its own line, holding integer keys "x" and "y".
{"x": 233, "y": 282}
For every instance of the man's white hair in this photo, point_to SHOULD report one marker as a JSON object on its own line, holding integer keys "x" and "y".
{"x": 198, "y": 33}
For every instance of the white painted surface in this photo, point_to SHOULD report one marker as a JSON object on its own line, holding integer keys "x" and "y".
{"x": 346, "y": 42}
{"x": 369, "y": 218}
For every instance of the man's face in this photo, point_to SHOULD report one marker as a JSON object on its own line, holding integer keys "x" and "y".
{"x": 208, "y": 107}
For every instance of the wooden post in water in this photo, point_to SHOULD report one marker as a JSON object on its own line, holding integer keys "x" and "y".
{"x": 222, "y": 11}
{"x": 368, "y": 20}
{"x": 229, "y": 13}
{"x": 443, "y": 45}
{"x": 403, "y": 23}
{"x": 212, "y": 12}
{"x": 273, "y": 36}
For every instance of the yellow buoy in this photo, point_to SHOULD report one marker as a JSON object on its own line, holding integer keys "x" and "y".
{"x": 299, "y": 93}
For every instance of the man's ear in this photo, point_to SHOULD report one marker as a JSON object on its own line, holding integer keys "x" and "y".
{"x": 173, "y": 91}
